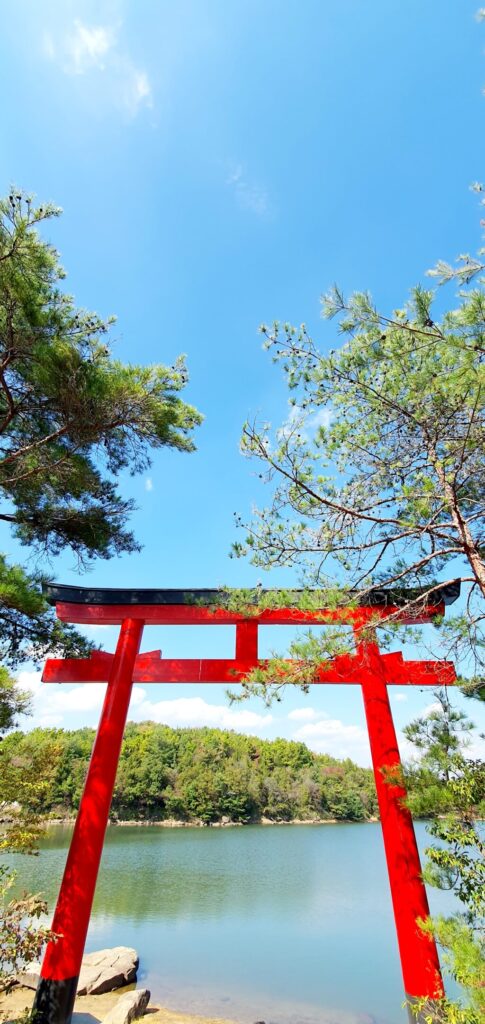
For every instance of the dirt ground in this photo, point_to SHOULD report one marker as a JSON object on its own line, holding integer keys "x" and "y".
{"x": 92, "y": 1009}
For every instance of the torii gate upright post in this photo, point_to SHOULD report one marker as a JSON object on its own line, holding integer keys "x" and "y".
{"x": 417, "y": 949}
{"x": 56, "y": 992}
{"x": 132, "y": 610}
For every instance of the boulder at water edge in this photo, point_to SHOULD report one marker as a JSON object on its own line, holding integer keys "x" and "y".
{"x": 129, "y": 1006}
{"x": 107, "y": 969}
{"x": 101, "y": 971}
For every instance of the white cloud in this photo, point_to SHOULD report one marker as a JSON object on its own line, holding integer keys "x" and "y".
{"x": 431, "y": 709}
{"x": 299, "y": 423}
{"x": 322, "y": 418}
{"x": 134, "y": 89}
{"x": 59, "y": 699}
{"x": 141, "y": 89}
{"x": 138, "y": 696}
{"x": 400, "y": 696}
{"x": 327, "y": 735}
{"x": 52, "y": 704}
{"x": 331, "y": 736}
{"x": 303, "y": 715}
{"x": 86, "y": 47}
{"x": 194, "y": 711}
{"x": 149, "y": 484}
{"x": 30, "y": 681}
{"x": 56, "y": 704}
{"x": 248, "y": 194}
{"x": 94, "y": 627}
{"x": 89, "y": 50}
{"x": 295, "y": 423}
{"x": 475, "y": 748}
{"x": 49, "y": 721}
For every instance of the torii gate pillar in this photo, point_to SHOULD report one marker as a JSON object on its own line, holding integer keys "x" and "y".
{"x": 132, "y": 610}
{"x": 56, "y": 992}
{"x": 417, "y": 949}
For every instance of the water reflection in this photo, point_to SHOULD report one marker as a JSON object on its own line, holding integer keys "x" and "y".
{"x": 187, "y": 873}
{"x": 280, "y": 923}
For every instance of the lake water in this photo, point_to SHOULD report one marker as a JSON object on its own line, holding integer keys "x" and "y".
{"x": 284, "y": 924}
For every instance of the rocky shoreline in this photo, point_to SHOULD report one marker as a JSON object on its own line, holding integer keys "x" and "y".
{"x": 88, "y": 1009}
{"x": 107, "y": 993}
{"x": 175, "y": 823}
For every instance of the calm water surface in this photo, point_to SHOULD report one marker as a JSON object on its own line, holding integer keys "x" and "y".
{"x": 284, "y": 924}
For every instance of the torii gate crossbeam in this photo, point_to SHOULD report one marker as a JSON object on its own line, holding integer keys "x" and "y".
{"x": 373, "y": 671}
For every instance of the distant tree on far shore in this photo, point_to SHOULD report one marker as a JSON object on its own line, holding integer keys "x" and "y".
{"x": 201, "y": 775}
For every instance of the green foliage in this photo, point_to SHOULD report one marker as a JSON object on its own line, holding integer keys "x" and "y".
{"x": 71, "y": 416}
{"x": 21, "y": 940}
{"x": 13, "y": 701}
{"x": 377, "y": 477}
{"x": 27, "y": 775}
{"x": 307, "y": 654}
{"x": 458, "y": 861}
{"x": 402, "y": 440}
{"x": 71, "y": 419}
{"x": 439, "y": 737}
{"x": 196, "y": 775}
{"x": 28, "y": 628}
{"x": 451, "y": 788}
{"x": 463, "y": 954}
{"x": 251, "y": 601}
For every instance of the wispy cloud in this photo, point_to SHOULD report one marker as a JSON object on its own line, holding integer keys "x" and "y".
{"x": 431, "y": 709}
{"x": 140, "y": 88}
{"x": 294, "y": 424}
{"x": 85, "y": 49}
{"x": 194, "y": 711}
{"x": 330, "y": 735}
{"x": 248, "y": 193}
{"x": 72, "y": 706}
{"x": 149, "y": 484}
{"x": 303, "y": 715}
{"x": 321, "y": 418}
{"x": 302, "y": 426}
{"x": 50, "y": 705}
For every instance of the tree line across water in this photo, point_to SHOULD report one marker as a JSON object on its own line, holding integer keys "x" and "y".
{"x": 195, "y": 775}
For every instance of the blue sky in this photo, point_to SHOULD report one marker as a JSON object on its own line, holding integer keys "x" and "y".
{"x": 219, "y": 166}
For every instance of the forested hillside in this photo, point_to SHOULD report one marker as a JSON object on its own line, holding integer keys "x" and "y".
{"x": 197, "y": 775}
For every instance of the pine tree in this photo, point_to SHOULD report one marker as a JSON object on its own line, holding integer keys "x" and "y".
{"x": 72, "y": 418}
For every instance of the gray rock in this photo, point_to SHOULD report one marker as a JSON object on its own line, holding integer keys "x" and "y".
{"x": 129, "y": 1006}
{"x": 101, "y": 971}
{"x": 30, "y": 977}
{"x": 107, "y": 969}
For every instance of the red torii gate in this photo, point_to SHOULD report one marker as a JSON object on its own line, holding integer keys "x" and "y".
{"x": 134, "y": 609}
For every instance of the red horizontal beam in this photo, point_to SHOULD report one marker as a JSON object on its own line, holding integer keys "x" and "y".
{"x": 94, "y": 669}
{"x": 190, "y": 615}
{"x": 151, "y": 668}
